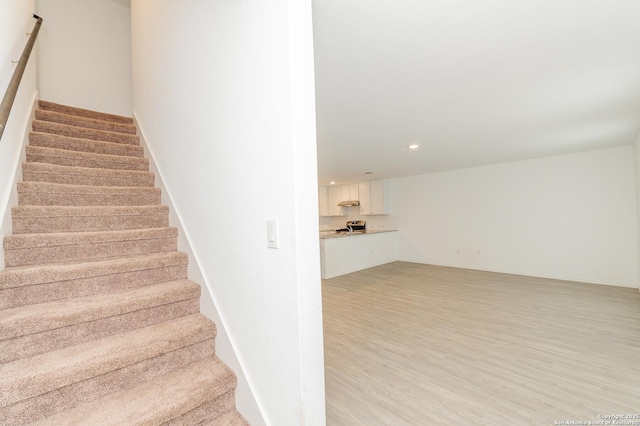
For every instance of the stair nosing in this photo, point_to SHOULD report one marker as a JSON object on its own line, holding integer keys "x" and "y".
{"x": 97, "y": 188}
{"x": 23, "y": 212}
{"x": 62, "y": 239}
{"x": 45, "y": 105}
{"x": 74, "y": 270}
{"x": 66, "y": 153}
{"x": 85, "y": 172}
{"x": 48, "y": 371}
{"x": 134, "y": 139}
{"x": 42, "y": 316}
{"x": 59, "y": 115}
{"x": 209, "y": 379}
{"x": 128, "y": 148}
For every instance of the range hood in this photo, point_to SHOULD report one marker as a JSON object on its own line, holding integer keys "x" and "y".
{"x": 349, "y": 203}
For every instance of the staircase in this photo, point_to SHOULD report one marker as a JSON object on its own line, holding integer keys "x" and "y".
{"x": 98, "y": 322}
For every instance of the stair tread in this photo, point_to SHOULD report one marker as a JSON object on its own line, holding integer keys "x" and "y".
{"x": 78, "y": 144}
{"x": 20, "y": 276}
{"x": 41, "y": 154}
{"x": 52, "y": 219}
{"x": 79, "y": 170}
{"x": 81, "y": 112}
{"x": 22, "y": 241}
{"x": 82, "y": 189}
{"x": 28, "y": 377}
{"x": 84, "y": 133}
{"x": 90, "y": 123}
{"x": 154, "y": 402}
{"x": 230, "y": 418}
{"x": 60, "y": 247}
{"x": 57, "y": 194}
{"x": 41, "y": 317}
{"x": 81, "y": 211}
{"x": 55, "y": 173}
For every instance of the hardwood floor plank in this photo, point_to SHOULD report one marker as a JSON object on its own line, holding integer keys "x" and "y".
{"x": 413, "y": 344}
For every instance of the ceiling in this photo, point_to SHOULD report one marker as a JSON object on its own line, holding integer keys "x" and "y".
{"x": 474, "y": 82}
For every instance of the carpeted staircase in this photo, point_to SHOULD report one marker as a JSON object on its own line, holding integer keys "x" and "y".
{"x": 98, "y": 322}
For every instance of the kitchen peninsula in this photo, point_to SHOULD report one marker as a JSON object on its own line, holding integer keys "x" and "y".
{"x": 343, "y": 253}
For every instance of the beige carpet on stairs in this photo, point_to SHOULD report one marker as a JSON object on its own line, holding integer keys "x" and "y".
{"x": 99, "y": 324}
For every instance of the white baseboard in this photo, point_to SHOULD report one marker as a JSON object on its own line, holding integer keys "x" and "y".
{"x": 10, "y": 191}
{"x": 514, "y": 272}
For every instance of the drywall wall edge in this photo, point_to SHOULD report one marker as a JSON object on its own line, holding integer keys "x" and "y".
{"x": 11, "y": 190}
{"x": 245, "y": 400}
{"x": 636, "y": 164}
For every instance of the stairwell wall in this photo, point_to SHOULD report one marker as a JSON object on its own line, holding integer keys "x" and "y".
{"x": 225, "y": 93}
{"x": 15, "y": 22}
{"x": 224, "y": 347}
{"x": 84, "y": 57}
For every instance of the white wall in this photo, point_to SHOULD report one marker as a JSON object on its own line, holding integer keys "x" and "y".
{"x": 637, "y": 164}
{"x": 224, "y": 91}
{"x": 15, "y": 22}
{"x": 84, "y": 56}
{"x": 224, "y": 347}
{"x": 568, "y": 217}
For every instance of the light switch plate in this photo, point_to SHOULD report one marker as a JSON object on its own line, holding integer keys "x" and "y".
{"x": 272, "y": 234}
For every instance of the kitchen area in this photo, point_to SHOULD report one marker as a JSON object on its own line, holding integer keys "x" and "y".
{"x": 357, "y": 230}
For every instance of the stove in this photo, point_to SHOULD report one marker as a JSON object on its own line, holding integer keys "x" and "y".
{"x": 358, "y": 226}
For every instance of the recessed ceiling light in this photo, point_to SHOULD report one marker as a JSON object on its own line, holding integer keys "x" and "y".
{"x": 332, "y": 183}
{"x": 413, "y": 146}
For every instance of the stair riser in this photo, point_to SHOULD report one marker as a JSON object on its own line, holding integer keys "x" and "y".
{"x": 80, "y": 112}
{"x": 45, "y": 199}
{"x": 47, "y": 404}
{"x": 56, "y": 315}
{"x": 74, "y": 120}
{"x": 36, "y": 343}
{"x": 58, "y": 290}
{"x": 144, "y": 181}
{"x": 84, "y": 145}
{"x": 44, "y": 224}
{"x": 230, "y": 418}
{"x": 82, "y": 133}
{"x": 85, "y": 252}
{"x": 78, "y": 159}
{"x": 209, "y": 410}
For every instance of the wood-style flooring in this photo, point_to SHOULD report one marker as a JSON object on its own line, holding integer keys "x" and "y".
{"x": 413, "y": 344}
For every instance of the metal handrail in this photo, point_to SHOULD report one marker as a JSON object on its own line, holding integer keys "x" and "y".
{"x": 12, "y": 89}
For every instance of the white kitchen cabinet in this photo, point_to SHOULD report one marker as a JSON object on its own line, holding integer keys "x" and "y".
{"x": 364, "y": 189}
{"x": 334, "y": 196}
{"x": 374, "y": 197}
{"x": 380, "y": 197}
{"x": 349, "y": 191}
{"x": 323, "y": 201}
{"x": 339, "y": 256}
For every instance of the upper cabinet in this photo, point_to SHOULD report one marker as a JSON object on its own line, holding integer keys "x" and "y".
{"x": 370, "y": 194}
{"x": 323, "y": 201}
{"x": 364, "y": 190}
{"x": 374, "y": 197}
{"x": 328, "y": 199}
{"x": 349, "y": 192}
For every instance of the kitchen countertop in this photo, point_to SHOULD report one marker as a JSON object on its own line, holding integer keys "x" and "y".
{"x": 332, "y": 234}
